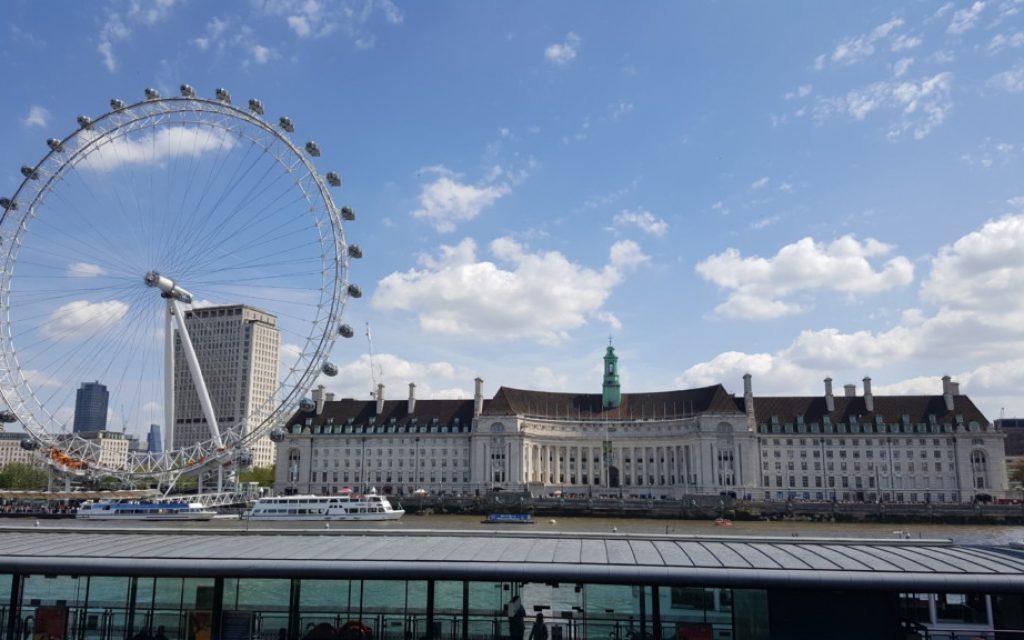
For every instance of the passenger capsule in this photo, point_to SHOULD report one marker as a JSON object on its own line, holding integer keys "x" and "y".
{"x": 55, "y": 144}
{"x": 223, "y": 95}
{"x": 278, "y": 435}
{"x": 187, "y": 91}
{"x": 8, "y": 416}
{"x": 152, "y": 94}
{"x": 244, "y": 459}
{"x": 306, "y": 404}
{"x": 8, "y": 205}
{"x": 313, "y": 149}
{"x": 85, "y": 122}
{"x": 28, "y": 444}
{"x": 347, "y": 213}
{"x": 256, "y": 106}
{"x": 30, "y": 173}
{"x": 354, "y": 251}
{"x": 117, "y": 104}
{"x": 286, "y": 124}
{"x": 346, "y": 331}
{"x": 355, "y": 291}
{"x": 329, "y": 369}
{"x": 333, "y": 179}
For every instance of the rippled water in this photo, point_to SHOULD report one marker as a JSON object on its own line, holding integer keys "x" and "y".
{"x": 961, "y": 534}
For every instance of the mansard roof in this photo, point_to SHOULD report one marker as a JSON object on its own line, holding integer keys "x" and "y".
{"x": 364, "y": 412}
{"x": 891, "y": 409}
{"x": 547, "y": 404}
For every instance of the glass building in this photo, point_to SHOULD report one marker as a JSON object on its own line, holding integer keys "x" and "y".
{"x": 288, "y": 585}
{"x": 91, "y": 407}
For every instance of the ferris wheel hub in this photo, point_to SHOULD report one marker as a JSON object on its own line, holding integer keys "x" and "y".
{"x": 169, "y": 288}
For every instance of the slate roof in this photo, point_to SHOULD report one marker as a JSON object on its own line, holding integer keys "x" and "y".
{"x": 684, "y": 402}
{"x": 918, "y": 409}
{"x": 364, "y": 412}
{"x": 928, "y": 566}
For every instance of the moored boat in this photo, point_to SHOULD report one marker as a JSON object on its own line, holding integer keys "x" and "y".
{"x": 340, "y": 507}
{"x": 136, "y": 510}
{"x": 508, "y": 518}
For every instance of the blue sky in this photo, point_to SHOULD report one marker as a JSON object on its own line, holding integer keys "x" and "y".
{"x": 798, "y": 191}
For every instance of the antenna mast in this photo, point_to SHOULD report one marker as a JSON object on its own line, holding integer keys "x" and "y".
{"x": 376, "y": 374}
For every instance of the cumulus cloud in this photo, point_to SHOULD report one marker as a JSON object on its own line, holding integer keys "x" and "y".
{"x": 643, "y": 220}
{"x": 561, "y": 54}
{"x": 1002, "y": 41}
{"x": 921, "y": 106}
{"x": 965, "y": 19}
{"x": 539, "y": 296}
{"x": 1011, "y": 80}
{"x": 37, "y": 117}
{"x": 446, "y": 201}
{"x": 82, "y": 319}
{"x": 155, "y": 147}
{"x": 118, "y": 28}
{"x": 310, "y": 19}
{"x": 433, "y": 380}
{"x": 758, "y": 285}
{"x": 853, "y": 50}
{"x": 85, "y": 270}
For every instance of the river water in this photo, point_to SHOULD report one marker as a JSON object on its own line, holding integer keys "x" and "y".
{"x": 960, "y": 534}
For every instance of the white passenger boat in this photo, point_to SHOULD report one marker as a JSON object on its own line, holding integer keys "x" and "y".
{"x": 135, "y": 510}
{"x": 343, "y": 507}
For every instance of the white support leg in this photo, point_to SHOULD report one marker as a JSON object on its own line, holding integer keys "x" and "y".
{"x": 197, "y": 374}
{"x": 169, "y": 379}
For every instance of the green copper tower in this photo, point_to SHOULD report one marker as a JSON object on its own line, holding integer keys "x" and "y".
{"x": 610, "y": 395}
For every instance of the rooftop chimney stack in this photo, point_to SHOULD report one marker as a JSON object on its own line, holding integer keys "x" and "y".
{"x": 830, "y": 401}
{"x": 955, "y": 388}
{"x": 318, "y": 398}
{"x": 412, "y": 397}
{"x": 329, "y": 396}
{"x": 748, "y": 402}
{"x": 380, "y": 398}
{"x": 869, "y": 400}
{"x": 947, "y": 392}
{"x": 478, "y": 397}
{"x": 850, "y": 390}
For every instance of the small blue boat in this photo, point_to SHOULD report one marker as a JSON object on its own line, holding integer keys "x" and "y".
{"x": 508, "y": 518}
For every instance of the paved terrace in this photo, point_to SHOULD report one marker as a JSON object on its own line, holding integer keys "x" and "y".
{"x": 726, "y": 561}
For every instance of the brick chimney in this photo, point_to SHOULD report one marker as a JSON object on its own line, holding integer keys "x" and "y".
{"x": 830, "y": 401}
{"x": 412, "y": 397}
{"x": 869, "y": 399}
{"x": 850, "y": 390}
{"x": 947, "y": 392}
{"x": 478, "y": 397}
{"x": 380, "y": 398}
{"x": 748, "y": 402}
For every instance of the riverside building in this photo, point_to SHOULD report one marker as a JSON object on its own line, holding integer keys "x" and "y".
{"x": 238, "y": 348}
{"x": 669, "y": 444}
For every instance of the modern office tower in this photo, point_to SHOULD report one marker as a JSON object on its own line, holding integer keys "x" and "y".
{"x": 238, "y": 349}
{"x": 91, "y": 407}
{"x": 154, "y": 443}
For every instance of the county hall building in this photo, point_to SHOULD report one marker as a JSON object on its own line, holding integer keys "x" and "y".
{"x": 667, "y": 444}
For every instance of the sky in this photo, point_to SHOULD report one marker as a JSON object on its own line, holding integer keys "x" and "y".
{"x": 795, "y": 191}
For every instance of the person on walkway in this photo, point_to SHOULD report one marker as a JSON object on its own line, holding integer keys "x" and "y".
{"x": 539, "y": 630}
{"x": 516, "y": 618}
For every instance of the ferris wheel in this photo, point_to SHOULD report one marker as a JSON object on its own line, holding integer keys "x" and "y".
{"x": 175, "y": 261}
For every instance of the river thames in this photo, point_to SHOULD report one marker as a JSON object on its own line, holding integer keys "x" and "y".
{"x": 960, "y": 534}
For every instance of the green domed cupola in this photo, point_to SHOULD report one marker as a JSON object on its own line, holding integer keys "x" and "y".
{"x": 611, "y": 397}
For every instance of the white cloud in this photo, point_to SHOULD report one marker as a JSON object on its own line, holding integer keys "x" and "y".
{"x": 921, "y": 105}
{"x": 321, "y": 18}
{"x": 561, "y": 54}
{"x": 82, "y": 319}
{"x": 434, "y": 380}
{"x": 155, "y": 147}
{"x": 146, "y": 13}
{"x": 446, "y": 202}
{"x": 802, "y": 91}
{"x": 37, "y": 117}
{"x": 759, "y": 183}
{"x": 643, "y": 220}
{"x": 153, "y": 407}
{"x": 853, "y": 50}
{"x": 965, "y": 19}
{"x": 540, "y": 296}
{"x": 901, "y": 66}
{"x": 1011, "y": 80}
{"x": 766, "y": 221}
{"x": 1002, "y": 41}
{"x": 904, "y": 42}
{"x": 262, "y": 54}
{"x": 620, "y": 109}
{"x": 85, "y": 270}
{"x": 757, "y": 285}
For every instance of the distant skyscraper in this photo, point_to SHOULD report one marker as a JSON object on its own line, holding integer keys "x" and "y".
{"x": 154, "y": 443}
{"x": 238, "y": 349}
{"x": 91, "y": 407}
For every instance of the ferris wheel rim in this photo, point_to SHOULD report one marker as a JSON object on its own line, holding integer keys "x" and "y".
{"x": 13, "y": 382}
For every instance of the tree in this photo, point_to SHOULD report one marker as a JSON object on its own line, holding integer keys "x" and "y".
{"x": 19, "y": 475}
{"x": 264, "y": 476}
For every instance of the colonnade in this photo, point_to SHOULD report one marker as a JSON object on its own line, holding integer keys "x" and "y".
{"x": 579, "y": 464}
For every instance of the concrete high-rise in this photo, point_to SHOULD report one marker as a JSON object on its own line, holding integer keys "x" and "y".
{"x": 91, "y": 407}
{"x": 154, "y": 443}
{"x": 238, "y": 349}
